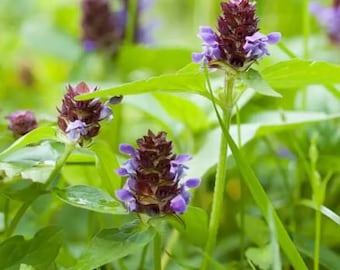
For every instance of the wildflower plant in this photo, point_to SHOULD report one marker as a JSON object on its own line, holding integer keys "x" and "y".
{"x": 149, "y": 204}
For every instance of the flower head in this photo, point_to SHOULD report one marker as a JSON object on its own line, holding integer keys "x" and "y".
{"x": 329, "y": 18}
{"x": 79, "y": 120}
{"x": 21, "y": 122}
{"x": 238, "y": 42}
{"x": 155, "y": 184}
{"x": 104, "y": 28}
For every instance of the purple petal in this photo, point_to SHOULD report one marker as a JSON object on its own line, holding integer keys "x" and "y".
{"x": 76, "y": 129}
{"x": 178, "y": 204}
{"x": 127, "y": 149}
{"x": 255, "y": 37}
{"x": 206, "y": 29}
{"x": 105, "y": 112}
{"x": 182, "y": 158}
{"x": 197, "y": 57}
{"x": 274, "y": 37}
{"x": 122, "y": 172}
{"x": 124, "y": 195}
{"x": 89, "y": 45}
{"x": 192, "y": 182}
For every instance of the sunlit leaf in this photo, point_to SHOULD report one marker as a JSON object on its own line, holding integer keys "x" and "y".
{"x": 111, "y": 244}
{"x": 299, "y": 73}
{"x": 185, "y": 81}
{"x": 35, "y": 136}
{"x": 90, "y": 198}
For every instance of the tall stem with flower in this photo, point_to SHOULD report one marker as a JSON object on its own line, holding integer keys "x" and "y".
{"x": 233, "y": 49}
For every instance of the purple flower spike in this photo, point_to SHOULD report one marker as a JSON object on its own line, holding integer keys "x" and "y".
{"x": 329, "y": 18}
{"x": 127, "y": 149}
{"x": 178, "y": 204}
{"x": 237, "y": 43}
{"x": 155, "y": 177}
{"x": 79, "y": 120}
{"x": 21, "y": 122}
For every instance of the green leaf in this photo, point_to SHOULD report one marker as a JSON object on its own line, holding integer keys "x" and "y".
{"x": 192, "y": 223}
{"x": 260, "y": 256}
{"x": 185, "y": 80}
{"x": 111, "y": 244}
{"x": 22, "y": 190}
{"x": 298, "y": 73}
{"x": 324, "y": 210}
{"x": 255, "y": 229}
{"x": 38, "y": 252}
{"x": 106, "y": 163}
{"x": 264, "y": 204}
{"x": 328, "y": 258}
{"x": 183, "y": 110}
{"x": 35, "y": 136}
{"x": 255, "y": 81}
{"x": 90, "y": 198}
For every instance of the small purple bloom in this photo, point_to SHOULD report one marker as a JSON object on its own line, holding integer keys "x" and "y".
{"x": 210, "y": 46}
{"x": 76, "y": 129}
{"x": 127, "y": 149}
{"x": 105, "y": 113}
{"x": 89, "y": 45}
{"x": 256, "y": 45}
{"x": 21, "y": 122}
{"x": 329, "y": 18}
{"x": 178, "y": 204}
{"x": 192, "y": 182}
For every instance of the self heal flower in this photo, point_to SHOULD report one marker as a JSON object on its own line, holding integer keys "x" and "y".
{"x": 329, "y": 18}
{"x": 155, "y": 177}
{"x": 79, "y": 120}
{"x": 21, "y": 122}
{"x": 237, "y": 42}
{"x": 101, "y": 28}
{"x": 105, "y": 29}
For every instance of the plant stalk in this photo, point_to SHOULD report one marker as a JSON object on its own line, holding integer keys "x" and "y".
{"x": 219, "y": 188}
{"x": 157, "y": 247}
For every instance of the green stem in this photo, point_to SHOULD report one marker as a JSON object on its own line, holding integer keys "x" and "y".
{"x": 317, "y": 237}
{"x": 169, "y": 247}
{"x": 242, "y": 189}
{"x": 157, "y": 247}
{"x": 142, "y": 259}
{"x": 306, "y": 32}
{"x": 132, "y": 21}
{"x": 59, "y": 164}
{"x": 219, "y": 188}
